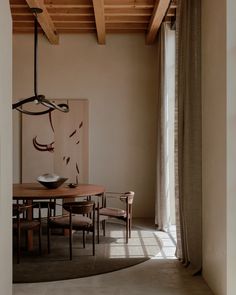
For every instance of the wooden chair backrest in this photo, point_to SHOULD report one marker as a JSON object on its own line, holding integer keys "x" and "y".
{"x": 82, "y": 207}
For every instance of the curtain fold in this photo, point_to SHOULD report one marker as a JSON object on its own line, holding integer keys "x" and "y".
{"x": 188, "y": 147}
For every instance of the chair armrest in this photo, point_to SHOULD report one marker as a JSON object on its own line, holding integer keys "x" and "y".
{"x": 126, "y": 197}
{"x": 113, "y": 195}
{"x": 122, "y": 196}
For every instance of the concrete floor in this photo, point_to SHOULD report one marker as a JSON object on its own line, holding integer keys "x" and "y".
{"x": 161, "y": 275}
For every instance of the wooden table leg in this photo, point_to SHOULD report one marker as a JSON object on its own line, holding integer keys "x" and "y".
{"x": 30, "y": 242}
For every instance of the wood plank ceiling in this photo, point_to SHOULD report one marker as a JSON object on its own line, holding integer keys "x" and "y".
{"x": 93, "y": 16}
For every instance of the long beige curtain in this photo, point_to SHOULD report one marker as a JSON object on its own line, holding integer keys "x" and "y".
{"x": 188, "y": 134}
{"x": 165, "y": 135}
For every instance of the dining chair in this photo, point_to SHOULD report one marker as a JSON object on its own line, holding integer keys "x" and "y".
{"x": 124, "y": 214}
{"x": 22, "y": 223}
{"x": 78, "y": 219}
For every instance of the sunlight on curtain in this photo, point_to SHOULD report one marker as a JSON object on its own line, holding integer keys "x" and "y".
{"x": 165, "y": 196}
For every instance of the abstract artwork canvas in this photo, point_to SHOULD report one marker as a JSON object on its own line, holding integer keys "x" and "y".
{"x": 56, "y": 143}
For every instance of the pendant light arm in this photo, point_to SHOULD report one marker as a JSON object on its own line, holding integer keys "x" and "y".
{"x": 34, "y": 113}
{"x": 60, "y": 107}
{"x": 21, "y": 102}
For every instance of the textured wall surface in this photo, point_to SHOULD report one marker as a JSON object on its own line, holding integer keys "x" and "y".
{"x": 214, "y": 144}
{"x": 5, "y": 149}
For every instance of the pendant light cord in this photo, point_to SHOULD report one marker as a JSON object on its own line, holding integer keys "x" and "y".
{"x": 35, "y": 54}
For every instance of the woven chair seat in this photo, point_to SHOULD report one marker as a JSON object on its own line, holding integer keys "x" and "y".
{"x": 78, "y": 222}
{"x": 112, "y": 212}
{"x": 26, "y": 224}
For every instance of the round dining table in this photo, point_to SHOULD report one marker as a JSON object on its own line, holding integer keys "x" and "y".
{"x": 35, "y": 191}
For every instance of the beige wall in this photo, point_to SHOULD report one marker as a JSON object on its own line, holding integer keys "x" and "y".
{"x": 214, "y": 143}
{"x": 119, "y": 81}
{"x": 231, "y": 146}
{"x": 5, "y": 149}
{"x": 219, "y": 145}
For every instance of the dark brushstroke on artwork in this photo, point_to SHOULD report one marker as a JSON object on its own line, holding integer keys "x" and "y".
{"x": 43, "y": 147}
{"x": 50, "y": 120}
{"x": 77, "y": 168}
{"x": 73, "y": 133}
{"x": 67, "y": 160}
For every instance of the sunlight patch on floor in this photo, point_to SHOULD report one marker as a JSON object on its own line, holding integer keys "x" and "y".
{"x": 169, "y": 244}
{"x": 144, "y": 243}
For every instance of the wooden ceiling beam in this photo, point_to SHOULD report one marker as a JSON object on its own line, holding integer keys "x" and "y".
{"x": 158, "y": 15}
{"x": 130, "y": 2}
{"x": 57, "y": 11}
{"x": 127, "y": 18}
{"x": 80, "y": 31}
{"x": 82, "y": 18}
{"x": 98, "y": 6}
{"x": 45, "y": 21}
{"x": 58, "y": 25}
{"x": 85, "y": 11}
{"x": 56, "y": 2}
{"x": 128, "y": 11}
{"x": 55, "y": 18}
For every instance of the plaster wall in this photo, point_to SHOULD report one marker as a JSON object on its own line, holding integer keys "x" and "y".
{"x": 214, "y": 103}
{"x": 231, "y": 146}
{"x": 219, "y": 144}
{"x": 5, "y": 149}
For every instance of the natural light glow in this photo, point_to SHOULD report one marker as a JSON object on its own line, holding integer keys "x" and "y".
{"x": 154, "y": 245}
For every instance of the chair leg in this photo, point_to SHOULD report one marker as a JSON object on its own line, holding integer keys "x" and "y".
{"x": 26, "y": 240}
{"x": 127, "y": 231}
{"x": 104, "y": 227}
{"x": 54, "y": 211}
{"x": 40, "y": 239}
{"x": 130, "y": 227}
{"x": 18, "y": 246}
{"x": 70, "y": 237}
{"x": 49, "y": 244}
{"x": 98, "y": 224}
{"x": 130, "y": 220}
{"x": 93, "y": 241}
{"x": 84, "y": 238}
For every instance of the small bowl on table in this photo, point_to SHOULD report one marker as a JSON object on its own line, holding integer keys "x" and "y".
{"x": 72, "y": 185}
{"x": 51, "y": 181}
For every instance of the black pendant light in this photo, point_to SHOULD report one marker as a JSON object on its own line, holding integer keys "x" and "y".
{"x": 38, "y": 98}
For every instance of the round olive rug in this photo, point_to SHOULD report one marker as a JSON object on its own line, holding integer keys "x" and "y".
{"x": 111, "y": 254}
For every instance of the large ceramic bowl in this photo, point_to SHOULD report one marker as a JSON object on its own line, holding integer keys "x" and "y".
{"x": 51, "y": 181}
